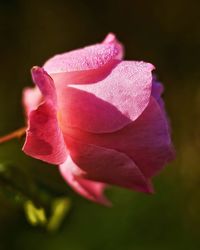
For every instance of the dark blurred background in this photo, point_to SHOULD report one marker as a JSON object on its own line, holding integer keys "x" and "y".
{"x": 165, "y": 33}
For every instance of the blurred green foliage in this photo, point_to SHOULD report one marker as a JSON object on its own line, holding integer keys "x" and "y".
{"x": 165, "y": 33}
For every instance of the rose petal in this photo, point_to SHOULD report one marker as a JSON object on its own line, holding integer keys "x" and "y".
{"x": 88, "y": 189}
{"x": 85, "y": 65}
{"x": 44, "y": 140}
{"x": 45, "y": 84}
{"x": 147, "y": 140}
{"x": 110, "y": 104}
{"x": 107, "y": 166}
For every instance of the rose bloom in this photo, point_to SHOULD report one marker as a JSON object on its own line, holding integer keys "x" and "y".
{"x": 100, "y": 118}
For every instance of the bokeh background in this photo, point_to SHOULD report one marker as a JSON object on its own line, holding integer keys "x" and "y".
{"x": 165, "y": 33}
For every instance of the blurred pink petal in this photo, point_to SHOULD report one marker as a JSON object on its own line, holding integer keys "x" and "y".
{"x": 31, "y": 99}
{"x": 88, "y": 189}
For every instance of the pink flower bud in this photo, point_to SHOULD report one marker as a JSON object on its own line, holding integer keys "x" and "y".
{"x": 100, "y": 118}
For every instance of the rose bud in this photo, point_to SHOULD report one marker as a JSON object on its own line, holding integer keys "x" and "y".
{"x": 100, "y": 118}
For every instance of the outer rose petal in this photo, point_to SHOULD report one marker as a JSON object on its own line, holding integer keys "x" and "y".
{"x": 44, "y": 140}
{"x": 45, "y": 84}
{"x": 88, "y": 189}
{"x": 146, "y": 141}
{"x": 110, "y": 104}
{"x": 85, "y": 65}
{"x": 107, "y": 166}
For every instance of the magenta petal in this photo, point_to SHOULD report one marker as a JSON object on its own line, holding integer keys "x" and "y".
{"x": 84, "y": 65}
{"x": 110, "y": 104}
{"x": 146, "y": 141}
{"x": 44, "y": 139}
{"x": 107, "y": 166}
{"x": 88, "y": 189}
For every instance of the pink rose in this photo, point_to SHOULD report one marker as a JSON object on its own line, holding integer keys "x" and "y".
{"x": 100, "y": 118}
